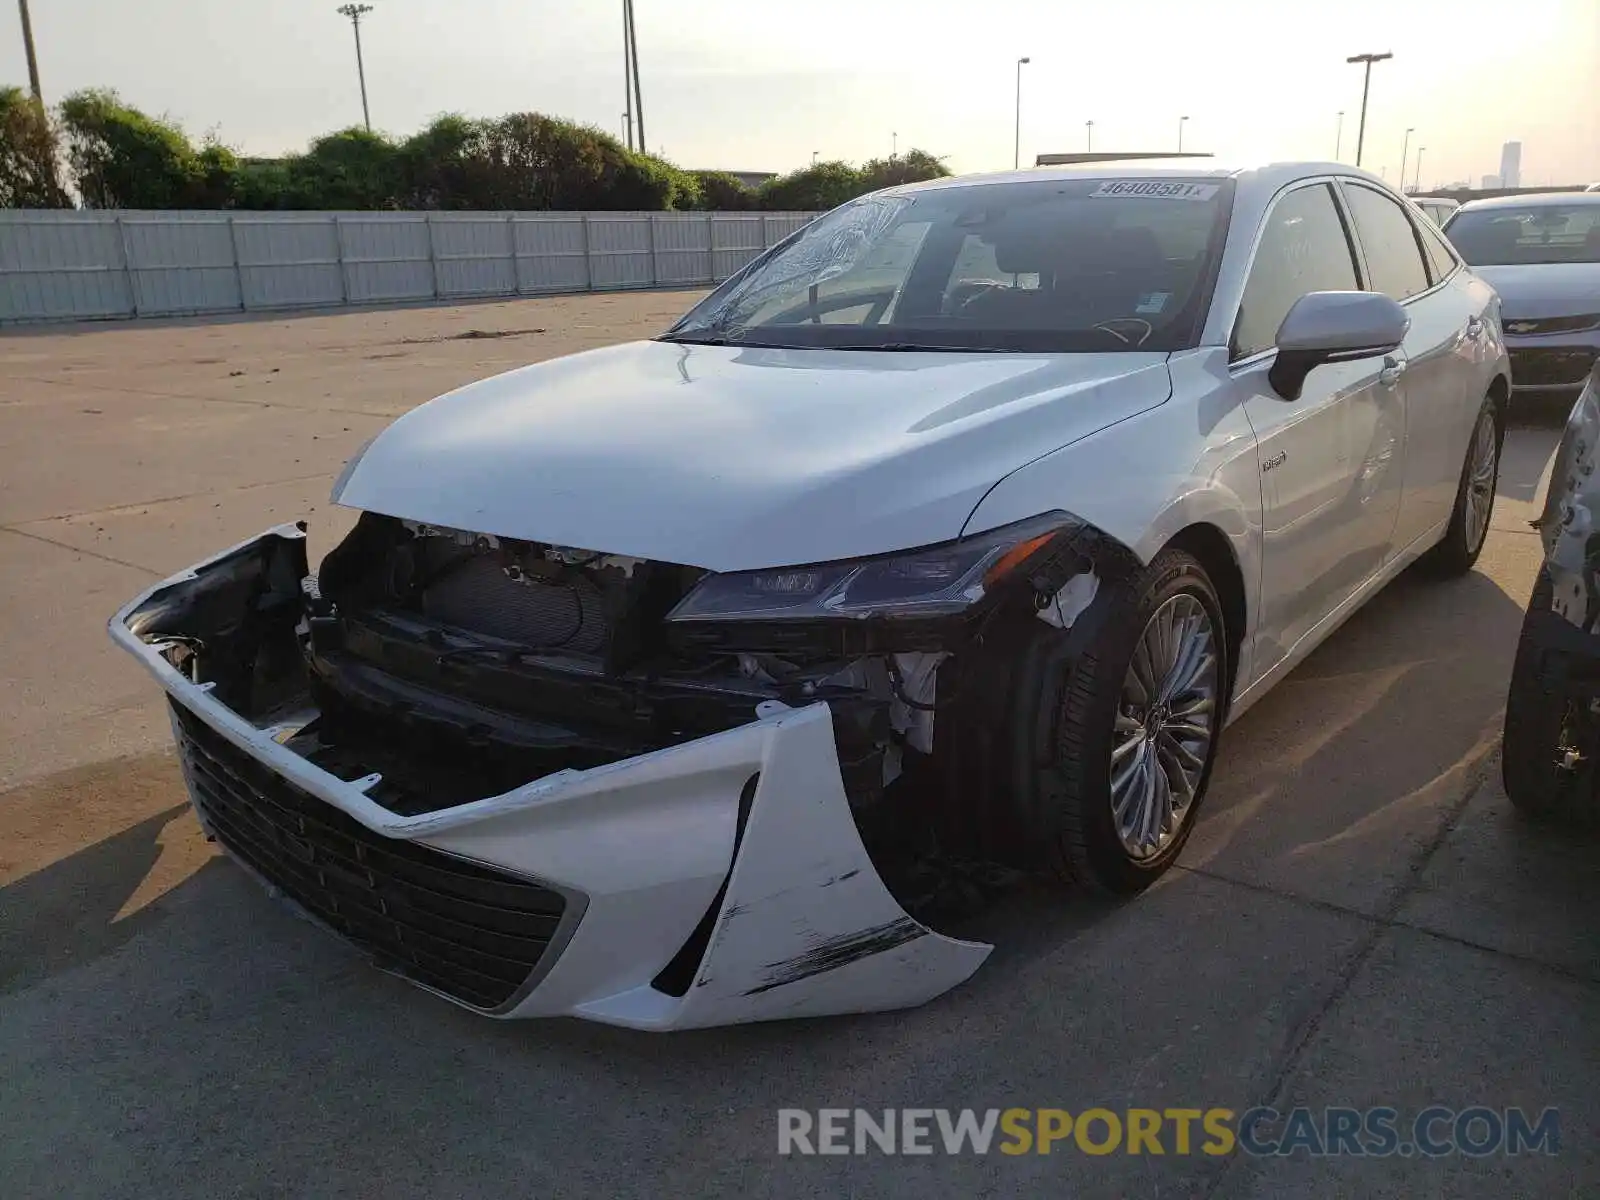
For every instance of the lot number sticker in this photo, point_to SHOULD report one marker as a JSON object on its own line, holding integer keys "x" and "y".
{"x": 1155, "y": 189}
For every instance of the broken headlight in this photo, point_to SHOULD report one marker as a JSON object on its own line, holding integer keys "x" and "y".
{"x": 931, "y": 582}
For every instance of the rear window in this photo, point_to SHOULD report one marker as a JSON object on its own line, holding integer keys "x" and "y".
{"x": 1069, "y": 265}
{"x": 1547, "y": 233}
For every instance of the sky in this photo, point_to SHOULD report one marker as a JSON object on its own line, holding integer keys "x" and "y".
{"x": 756, "y": 85}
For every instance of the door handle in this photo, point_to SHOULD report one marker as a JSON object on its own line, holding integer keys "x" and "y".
{"x": 1474, "y": 328}
{"x": 1393, "y": 368}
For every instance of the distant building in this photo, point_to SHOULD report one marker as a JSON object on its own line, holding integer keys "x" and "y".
{"x": 1511, "y": 165}
{"x": 1490, "y": 183}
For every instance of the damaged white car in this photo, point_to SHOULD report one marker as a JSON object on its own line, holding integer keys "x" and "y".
{"x": 952, "y": 529}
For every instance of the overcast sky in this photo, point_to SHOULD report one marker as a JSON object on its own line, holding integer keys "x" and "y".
{"x": 755, "y": 85}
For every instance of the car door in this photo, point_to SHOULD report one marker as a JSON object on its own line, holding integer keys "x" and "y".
{"x": 1435, "y": 358}
{"x": 1331, "y": 461}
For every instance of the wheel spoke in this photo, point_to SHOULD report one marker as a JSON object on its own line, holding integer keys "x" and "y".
{"x": 1183, "y": 754}
{"x": 1128, "y": 745}
{"x": 1150, "y": 802}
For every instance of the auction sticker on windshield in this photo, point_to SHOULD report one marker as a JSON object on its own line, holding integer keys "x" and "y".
{"x": 1155, "y": 189}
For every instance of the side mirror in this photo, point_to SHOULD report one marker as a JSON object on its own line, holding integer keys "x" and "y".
{"x": 1330, "y": 327}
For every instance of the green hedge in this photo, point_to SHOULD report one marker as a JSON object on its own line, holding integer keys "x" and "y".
{"x": 119, "y": 157}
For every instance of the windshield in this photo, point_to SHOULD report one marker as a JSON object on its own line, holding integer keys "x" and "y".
{"x": 1545, "y": 233}
{"x": 1081, "y": 265}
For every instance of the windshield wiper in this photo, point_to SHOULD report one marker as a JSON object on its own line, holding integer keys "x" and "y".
{"x": 710, "y": 339}
{"x": 930, "y": 347}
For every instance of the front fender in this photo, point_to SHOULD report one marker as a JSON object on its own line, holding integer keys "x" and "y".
{"x": 1191, "y": 461}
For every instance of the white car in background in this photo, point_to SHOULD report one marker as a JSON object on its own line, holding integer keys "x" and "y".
{"x": 955, "y": 527}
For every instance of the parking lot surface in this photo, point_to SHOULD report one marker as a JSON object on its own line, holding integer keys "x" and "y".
{"x": 1358, "y": 920}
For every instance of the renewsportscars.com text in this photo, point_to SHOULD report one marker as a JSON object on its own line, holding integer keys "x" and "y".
{"x": 1434, "y": 1132}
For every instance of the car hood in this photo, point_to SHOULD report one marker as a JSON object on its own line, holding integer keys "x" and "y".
{"x": 730, "y": 458}
{"x": 1545, "y": 290}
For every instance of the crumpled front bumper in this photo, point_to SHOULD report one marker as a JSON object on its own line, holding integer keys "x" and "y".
{"x": 742, "y": 843}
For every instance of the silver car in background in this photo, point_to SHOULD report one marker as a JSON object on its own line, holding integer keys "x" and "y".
{"x": 1542, "y": 254}
{"x": 1439, "y": 208}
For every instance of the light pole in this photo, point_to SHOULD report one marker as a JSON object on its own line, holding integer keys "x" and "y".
{"x": 1181, "y": 120}
{"x": 631, "y": 34}
{"x": 894, "y": 146}
{"x": 1366, "y": 83}
{"x": 814, "y": 157}
{"x": 1405, "y": 157}
{"x": 1016, "y": 152}
{"x": 27, "y": 46}
{"x": 1338, "y": 136}
{"x": 1417, "y": 187}
{"x": 355, "y": 12}
{"x": 1089, "y": 136}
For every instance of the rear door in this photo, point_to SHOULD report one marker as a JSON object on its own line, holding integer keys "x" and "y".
{"x": 1436, "y": 357}
{"x": 1331, "y": 461}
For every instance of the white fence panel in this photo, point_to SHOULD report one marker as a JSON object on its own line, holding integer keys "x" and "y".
{"x": 736, "y": 238}
{"x": 474, "y": 254}
{"x": 289, "y": 261}
{"x": 180, "y": 267}
{"x": 385, "y": 258}
{"x": 70, "y": 265}
{"x": 620, "y": 253}
{"x": 552, "y": 253}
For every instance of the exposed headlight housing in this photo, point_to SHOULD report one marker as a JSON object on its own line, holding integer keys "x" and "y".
{"x": 935, "y": 581}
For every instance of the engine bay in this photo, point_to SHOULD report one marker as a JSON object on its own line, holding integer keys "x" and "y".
{"x": 442, "y": 667}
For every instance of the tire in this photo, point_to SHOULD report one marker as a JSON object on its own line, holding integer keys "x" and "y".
{"x": 1463, "y": 540}
{"x": 1070, "y": 718}
{"x": 1536, "y": 728}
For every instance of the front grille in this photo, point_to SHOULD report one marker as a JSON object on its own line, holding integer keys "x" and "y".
{"x": 469, "y": 931}
{"x": 1529, "y": 327}
{"x": 1550, "y": 368}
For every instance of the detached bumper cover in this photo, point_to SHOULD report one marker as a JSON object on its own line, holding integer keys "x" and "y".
{"x": 570, "y": 895}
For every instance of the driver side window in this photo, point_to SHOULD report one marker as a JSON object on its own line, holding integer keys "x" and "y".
{"x": 1304, "y": 248}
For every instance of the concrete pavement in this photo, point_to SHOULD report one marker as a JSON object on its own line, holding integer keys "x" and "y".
{"x": 1357, "y": 921}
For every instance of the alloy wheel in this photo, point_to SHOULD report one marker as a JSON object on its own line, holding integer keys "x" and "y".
{"x": 1165, "y": 724}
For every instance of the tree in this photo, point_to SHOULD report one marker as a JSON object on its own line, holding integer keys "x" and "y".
{"x": 913, "y": 166}
{"x": 30, "y": 176}
{"x": 447, "y": 165}
{"x": 351, "y": 169}
{"x": 123, "y": 158}
{"x": 812, "y": 189}
{"x": 722, "y": 192}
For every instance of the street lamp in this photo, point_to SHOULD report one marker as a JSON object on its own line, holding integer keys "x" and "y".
{"x": 1405, "y": 157}
{"x": 1016, "y": 153}
{"x": 1338, "y": 136}
{"x": 355, "y": 12}
{"x": 894, "y": 146}
{"x": 1181, "y": 120}
{"x": 1089, "y": 127}
{"x": 1418, "y": 184}
{"x": 1366, "y": 83}
{"x": 28, "y": 52}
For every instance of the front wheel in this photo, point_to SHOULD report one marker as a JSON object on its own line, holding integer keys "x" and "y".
{"x": 1546, "y": 759}
{"x": 1130, "y": 731}
{"x": 1469, "y": 520}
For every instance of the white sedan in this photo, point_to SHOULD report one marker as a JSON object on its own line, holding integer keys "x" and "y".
{"x": 661, "y": 685}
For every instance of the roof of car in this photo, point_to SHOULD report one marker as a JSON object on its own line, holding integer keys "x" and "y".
{"x": 1532, "y": 200}
{"x": 1273, "y": 175}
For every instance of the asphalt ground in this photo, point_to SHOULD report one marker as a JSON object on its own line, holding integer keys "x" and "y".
{"x": 1358, "y": 921}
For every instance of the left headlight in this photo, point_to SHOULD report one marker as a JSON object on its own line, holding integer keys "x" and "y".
{"x": 931, "y": 582}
